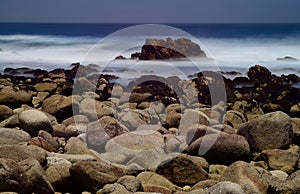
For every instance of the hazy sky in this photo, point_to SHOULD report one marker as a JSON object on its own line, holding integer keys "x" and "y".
{"x": 150, "y": 11}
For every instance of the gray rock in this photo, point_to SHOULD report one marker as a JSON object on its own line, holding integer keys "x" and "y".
{"x": 99, "y": 132}
{"x": 131, "y": 183}
{"x": 279, "y": 174}
{"x": 135, "y": 118}
{"x": 94, "y": 109}
{"x": 37, "y": 176}
{"x": 116, "y": 158}
{"x": 22, "y": 152}
{"x": 32, "y": 121}
{"x": 225, "y": 187}
{"x": 129, "y": 144}
{"x": 183, "y": 170}
{"x": 204, "y": 184}
{"x": 270, "y": 131}
{"x": 13, "y": 136}
{"x": 220, "y": 148}
{"x": 115, "y": 188}
{"x": 191, "y": 117}
{"x": 148, "y": 159}
{"x": 13, "y": 177}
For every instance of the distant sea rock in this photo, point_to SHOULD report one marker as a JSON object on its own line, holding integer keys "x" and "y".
{"x": 287, "y": 58}
{"x": 158, "y": 49}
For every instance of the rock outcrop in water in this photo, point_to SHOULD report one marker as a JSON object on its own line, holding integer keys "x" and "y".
{"x": 158, "y": 49}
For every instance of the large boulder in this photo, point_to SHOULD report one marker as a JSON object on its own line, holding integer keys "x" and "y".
{"x": 225, "y": 187}
{"x": 13, "y": 136}
{"x": 184, "y": 170}
{"x": 259, "y": 73}
{"x": 93, "y": 175}
{"x": 135, "y": 118}
{"x": 247, "y": 176}
{"x": 37, "y": 176}
{"x": 13, "y": 177}
{"x": 131, "y": 143}
{"x": 285, "y": 160}
{"x": 22, "y": 152}
{"x": 32, "y": 121}
{"x": 58, "y": 173}
{"x": 220, "y": 148}
{"x": 270, "y": 131}
{"x": 170, "y": 49}
{"x": 61, "y": 107}
{"x": 14, "y": 99}
{"x": 100, "y": 131}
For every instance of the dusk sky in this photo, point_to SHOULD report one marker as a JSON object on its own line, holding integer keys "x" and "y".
{"x": 151, "y": 11}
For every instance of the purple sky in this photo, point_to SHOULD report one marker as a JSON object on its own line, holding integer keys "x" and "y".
{"x": 150, "y": 11}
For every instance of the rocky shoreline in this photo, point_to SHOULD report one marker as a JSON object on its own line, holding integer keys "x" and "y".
{"x": 72, "y": 131}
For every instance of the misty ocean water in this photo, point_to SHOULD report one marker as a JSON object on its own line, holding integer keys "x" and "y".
{"x": 234, "y": 47}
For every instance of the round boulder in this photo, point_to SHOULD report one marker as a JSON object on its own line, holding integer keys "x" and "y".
{"x": 270, "y": 131}
{"x": 32, "y": 121}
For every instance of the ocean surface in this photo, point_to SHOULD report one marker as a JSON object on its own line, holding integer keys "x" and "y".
{"x": 233, "y": 47}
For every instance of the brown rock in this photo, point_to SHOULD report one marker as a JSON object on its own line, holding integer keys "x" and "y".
{"x": 270, "y": 131}
{"x": 183, "y": 170}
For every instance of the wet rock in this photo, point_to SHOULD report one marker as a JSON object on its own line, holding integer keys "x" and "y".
{"x": 269, "y": 131}
{"x": 37, "y": 176}
{"x": 5, "y": 112}
{"x": 152, "y": 182}
{"x": 61, "y": 107}
{"x": 220, "y": 148}
{"x": 32, "y": 121}
{"x": 13, "y": 177}
{"x": 247, "y": 176}
{"x": 131, "y": 143}
{"x": 92, "y": 176}
{"x": 259, "y": 73}
{"x": 287, "y": 58}
{"x": 183, "y": 170}
{"x": 169, "y": 49}
{"x": 13, "y": 136}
